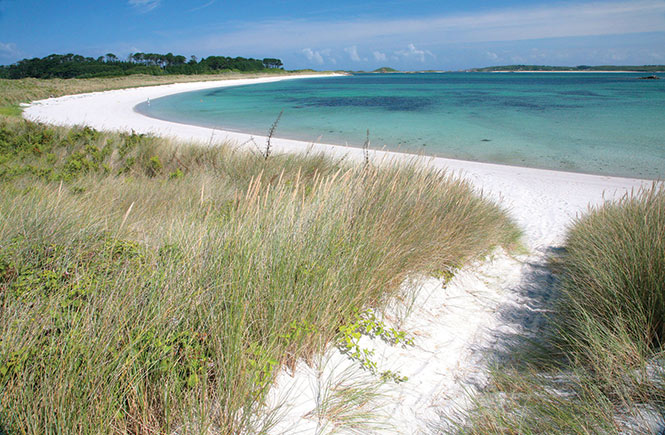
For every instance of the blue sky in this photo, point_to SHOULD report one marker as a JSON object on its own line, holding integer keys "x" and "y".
{"x": 345, "y": 34}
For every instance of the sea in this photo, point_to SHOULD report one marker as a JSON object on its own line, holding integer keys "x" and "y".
{"x": 598, "y": 123}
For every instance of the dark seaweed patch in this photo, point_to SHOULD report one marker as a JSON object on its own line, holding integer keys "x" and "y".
{"x": 391, "y": 103}
{"x": 580, "y": 93}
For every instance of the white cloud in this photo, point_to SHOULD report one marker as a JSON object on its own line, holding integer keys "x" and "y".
{"x": 327, "y": 56}
{"x": 144, "y": 5}
{"x": 203, "y": 6}
{"x": 353, "y": 53}
{"x": 314, "y": 55}
{"x": 319, "y": 56}
{"x": 414, "y": 53}
{"x": 379, "y": 56}
{"x": 8, "y": 49}
{"x": 515, "y": 24}
{"x": 491, "y": 55}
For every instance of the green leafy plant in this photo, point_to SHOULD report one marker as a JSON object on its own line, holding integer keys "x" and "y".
{"x": 154, "y": 166}
{"x": 366, "y": 323}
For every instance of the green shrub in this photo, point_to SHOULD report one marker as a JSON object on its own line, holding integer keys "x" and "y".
{"x": 154, "y": 166}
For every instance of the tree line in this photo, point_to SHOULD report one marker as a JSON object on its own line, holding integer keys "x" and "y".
{"x": 75, "y": 66}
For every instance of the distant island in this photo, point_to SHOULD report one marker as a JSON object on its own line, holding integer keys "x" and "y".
{"x": 384, "y": 70}
{"x": 580, "y": 68}
{"x": 529, "y": 68}
{"x": 66, "y": 66}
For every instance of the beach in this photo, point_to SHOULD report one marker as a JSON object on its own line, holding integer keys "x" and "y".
{"x": 454, "y": 327}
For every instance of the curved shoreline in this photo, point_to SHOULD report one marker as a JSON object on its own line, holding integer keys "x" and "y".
{"x": 542, "y": 201}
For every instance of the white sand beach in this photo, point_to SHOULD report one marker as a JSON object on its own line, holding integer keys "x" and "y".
{"x": 454, "y": 327}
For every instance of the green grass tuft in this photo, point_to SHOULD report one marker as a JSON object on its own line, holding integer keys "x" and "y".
{"x": 10, "y": 110}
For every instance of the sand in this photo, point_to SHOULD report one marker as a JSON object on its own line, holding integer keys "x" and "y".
{"x": 456, "y": 328}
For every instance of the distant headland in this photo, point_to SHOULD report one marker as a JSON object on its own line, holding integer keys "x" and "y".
{"x": 580, "y": 68}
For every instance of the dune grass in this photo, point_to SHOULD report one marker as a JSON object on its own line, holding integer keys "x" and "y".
{"x": 150, "y": 287}
{"x": 613, "y": 279}
{"x": 600, "y": 369}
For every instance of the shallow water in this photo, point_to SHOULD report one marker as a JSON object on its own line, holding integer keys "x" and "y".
{"x": 604, "y": 123}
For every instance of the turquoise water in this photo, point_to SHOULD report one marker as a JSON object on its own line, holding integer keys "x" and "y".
{"x": 603, "y": 123}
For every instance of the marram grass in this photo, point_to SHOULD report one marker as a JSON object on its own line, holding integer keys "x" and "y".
{"x": 613, "y": 273}
{"x": 600, "y": 369}
{"x": 147, "y": 287}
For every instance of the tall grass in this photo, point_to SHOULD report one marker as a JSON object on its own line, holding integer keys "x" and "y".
{"x": 605, "y": 369}
{"x": 154, "y": 287}
{"x": 613, "y": 278}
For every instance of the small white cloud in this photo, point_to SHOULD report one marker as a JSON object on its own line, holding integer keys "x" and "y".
{"x": 144, "y": 5}
{"x": 378, "y": 56}
{"x": 314, "y": 55}
{"x": 8, "y": 49}
{"x": 203, "y": 6}
{"x": 327, "y": 56}
{"x": 491, "y": 55}
{"x": 413, "y": 52}
{"x": 353, "y": 53}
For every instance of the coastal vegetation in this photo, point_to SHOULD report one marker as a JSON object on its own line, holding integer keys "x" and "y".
{"x": 600, "y": 368}
{"x": 149, "y": 286}
{"x": 69, "y": 66}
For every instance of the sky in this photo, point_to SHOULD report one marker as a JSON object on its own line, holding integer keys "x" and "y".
{"x": 344, "y": 34}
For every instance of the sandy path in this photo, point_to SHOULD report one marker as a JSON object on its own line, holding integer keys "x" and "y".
{"x": 452, "y": 327}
